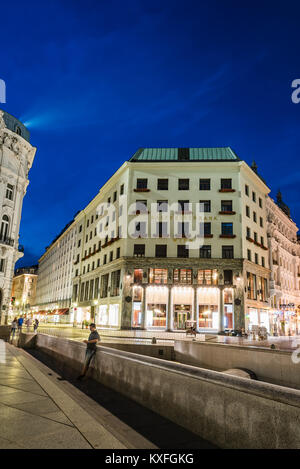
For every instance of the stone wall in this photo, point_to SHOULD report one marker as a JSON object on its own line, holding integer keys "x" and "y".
{"x": 231, "y": 412}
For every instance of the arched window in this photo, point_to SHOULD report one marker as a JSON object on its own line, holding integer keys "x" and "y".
{"x": 18, "y": 130}
{"x": 4, "y": 227}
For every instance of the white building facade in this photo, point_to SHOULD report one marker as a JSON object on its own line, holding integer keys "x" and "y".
{"x": 16, "y": 158}
{"x": 149, "y": 278}
{"x": 54, "y": 288}
{"x": 285, "y": 269}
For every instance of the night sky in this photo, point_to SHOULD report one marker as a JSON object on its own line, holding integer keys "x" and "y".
{"x": 96, "y": 80}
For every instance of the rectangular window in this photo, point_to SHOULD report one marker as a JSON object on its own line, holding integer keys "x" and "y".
{"x": 247, "y": 211}
{"x": 183, "y": 206}
{"x": 10, "y": 192}
{"x": 158, "y": 276}
{"x": 111, "y": 256}
{"x": 205, "y": 252}
{"x": 248, "y": 231}
{"x": 115, "y": 283}
{"x": 226, "y": 184}
{"x": 122, "y": 189}
{"x": 96, "y": 290}
{"x": 254, "y": 217}
{"x": 253, "y": 196}
{"x": 104, "y": 286}
{"x": 118, "y": 253}
{"x": 141, "y": 207}
{"x": 162, "y": 206}
{"x": 182, "y": 276}
{"x": 228, "y": 277}
{"x": 249, "y": 254}
{"x": 261, "y": 222}
{"x": 227, "y": 252}
{"x": 161, "y": 250}
{"x": 251, "y": 286}
{"x": 207, "y": 228}
{"x": 263, "y": 261}
{"x": 208, "y": 277}
{"x": 204, "y": 184}
{"x": 182, "y": 251}
{"x": 262, "y": 240}
{"x": 137, "y": 275}
{"x": 247, "y": 190}
{"x": 226, "y": 205}
{"x": 162, "y": 184}
{"x": 227, "y": 228}
{"x": 2, "y": 262}
{"x": 205, "y": 205}
{"x": 162, "y": 229}
{"x": 139, "y": 250}
{"x": 141, "y": 183}
{"x": 115, "y": 196}
{"x": 260, "y": 202}
{"x": 183, "y": 184}
{"x": 256, "y": 258}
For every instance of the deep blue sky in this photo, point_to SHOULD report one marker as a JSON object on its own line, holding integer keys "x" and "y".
{"x": 96, "y": 80}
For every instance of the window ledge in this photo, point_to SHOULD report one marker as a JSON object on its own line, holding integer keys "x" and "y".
{"x": 141, "y": 190}
{"x": 227, "y": 236}
{"x": 226, "y": 190}
{"x": 226, "y": 212}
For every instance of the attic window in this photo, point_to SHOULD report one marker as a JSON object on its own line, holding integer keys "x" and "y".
{"x": 183, "y": 154}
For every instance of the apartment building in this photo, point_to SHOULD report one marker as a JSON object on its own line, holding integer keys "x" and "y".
{"x": 54, "y": 283}
{"x": 185, "y": 238}
{"x": 284, "y": 252}
{"x": 24, "y": 289}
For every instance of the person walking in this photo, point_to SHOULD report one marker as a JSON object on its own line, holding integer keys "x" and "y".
{"x": 35, "y": 325}
{"x": 20, "y": 324}
{"x": 91, "y": 347}
{"x": 14, "y": 326}
{"x": 28, "y": 324}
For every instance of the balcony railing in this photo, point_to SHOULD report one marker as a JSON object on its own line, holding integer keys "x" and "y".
{"x": 7, "y": 241}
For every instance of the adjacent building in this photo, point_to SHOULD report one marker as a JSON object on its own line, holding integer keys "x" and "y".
{"x": 24, "y": 289}
{"x": 54, "y": 288}
{"x": 284, "y": 257}
{"x": 16, "y": 158}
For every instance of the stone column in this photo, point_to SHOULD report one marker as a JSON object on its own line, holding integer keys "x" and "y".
{"x": 144, "y": 309}
{"x": 221, "y": 312}
{"x": 194, "y": 312}
{"x": 169, "y": 311}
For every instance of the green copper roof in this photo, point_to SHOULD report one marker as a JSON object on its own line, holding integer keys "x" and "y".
{"x": 185, "y": 154}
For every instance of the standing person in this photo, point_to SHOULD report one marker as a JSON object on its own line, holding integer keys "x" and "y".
{"x": 14, "y": 326}
{"x": 28, "y": 324}
{"x": 91, "y": 347}
{"x": 20, "y": 324}
{"x": 35, "y": 325}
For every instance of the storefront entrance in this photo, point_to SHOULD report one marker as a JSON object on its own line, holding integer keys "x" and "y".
{"x": 182, "y": 307}
{"x": 182, "y": 314}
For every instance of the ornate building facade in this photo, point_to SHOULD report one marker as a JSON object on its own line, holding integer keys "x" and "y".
{"x": 16, "y": 158}
{"x": 284, "y": 256}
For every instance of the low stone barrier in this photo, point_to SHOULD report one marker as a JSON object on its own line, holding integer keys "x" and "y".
{"x": 229, "y": 411}
{"x": 5, "y": 332}
{"x": 272, "y": 366}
